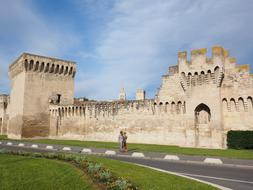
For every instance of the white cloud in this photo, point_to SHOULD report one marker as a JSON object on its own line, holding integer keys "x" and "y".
{"x": 24, "y": 29}
{"x": 144, "y": 36}
{"x": 33, "y": 30}
{"x": 135, "y": 40}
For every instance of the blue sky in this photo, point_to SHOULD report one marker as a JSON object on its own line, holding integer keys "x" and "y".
{"x": 121, "y": 43}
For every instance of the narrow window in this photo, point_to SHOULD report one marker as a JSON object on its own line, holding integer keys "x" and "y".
{"x": 58, "y": 98}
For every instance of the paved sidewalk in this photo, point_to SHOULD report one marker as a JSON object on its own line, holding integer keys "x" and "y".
{"x": 143, "y": 155}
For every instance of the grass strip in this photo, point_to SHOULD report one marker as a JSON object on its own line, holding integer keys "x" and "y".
{"x": 227, "y": 153}
{"x": 146, "y": 178}
{"x": 27, "y": 173}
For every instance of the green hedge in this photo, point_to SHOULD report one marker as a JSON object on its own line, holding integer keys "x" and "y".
{"x": 240, "y": 139}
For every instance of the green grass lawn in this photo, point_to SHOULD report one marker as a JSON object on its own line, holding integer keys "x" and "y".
{"x": 229, "y": 153}
{"x": 2, "y": 137}
{"x": 24, "y": 173}
{"x": 148, "y": 179}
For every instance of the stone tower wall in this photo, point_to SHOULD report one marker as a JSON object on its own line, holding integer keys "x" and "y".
{"x": 140, "y": 94}
{"x": 36, "y": 80}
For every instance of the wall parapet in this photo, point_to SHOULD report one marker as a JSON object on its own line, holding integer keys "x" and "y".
{"x": 41, "y": 64}
{"x": 93, "y": 109}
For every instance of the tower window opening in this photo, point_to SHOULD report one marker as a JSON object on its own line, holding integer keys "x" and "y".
{"x": 58, "y": 98}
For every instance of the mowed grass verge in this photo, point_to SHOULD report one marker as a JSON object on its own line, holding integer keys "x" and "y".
{"x": 28, "y": 172}
{"x": 25, "y": 173}
{"x": 148, "y": 179}
{"x": 228, "y": 153}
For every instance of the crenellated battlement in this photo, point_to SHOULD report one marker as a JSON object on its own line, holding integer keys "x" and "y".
{"x": 199, "y": 58}
{"x": 197, "y": 52}
{"x": 201, "y": 66}
{"x": 243, "y": 68}
{"x": 41, "y": 64}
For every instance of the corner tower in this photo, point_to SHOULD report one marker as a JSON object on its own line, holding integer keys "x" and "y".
{"x": 36, "y": 82}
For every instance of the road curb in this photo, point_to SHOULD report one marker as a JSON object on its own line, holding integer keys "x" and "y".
{"x": 49, "y": 147}
{"x": 35, "y": 146}
{"x": 66, "y": 149}
{"x": 138, "y": 155}
{"x": 171, "y": 157}
{"x": 9, "y": 143}
{"x": 213, "y": 161}
{"x": 21, "y": 144}
{"x": 110, "y": 152}
{"x": 86, "y": 150}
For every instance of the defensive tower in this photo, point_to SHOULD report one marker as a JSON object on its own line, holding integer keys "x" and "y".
{"x": 37, "y": 81}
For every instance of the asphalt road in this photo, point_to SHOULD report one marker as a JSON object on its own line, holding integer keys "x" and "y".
{"x": 237, "y": 178}
{"x": 232, "y": 177}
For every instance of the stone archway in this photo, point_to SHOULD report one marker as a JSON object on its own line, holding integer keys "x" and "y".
{"x": 202, "y": 126}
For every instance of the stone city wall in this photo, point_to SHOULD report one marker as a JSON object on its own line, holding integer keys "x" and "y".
{"x": 144, "y": 121}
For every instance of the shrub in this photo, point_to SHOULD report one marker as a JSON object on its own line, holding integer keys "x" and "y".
{"x": 240, "y": 139}
{"x": 121, "y": 184}
{"x": 80, "y": 159}
{"x": 51, "y": 155}
{"x": 68, "y": 157}
{"x": 93, "y": 167}
{"x": 36, "y": 155}
{"x": 104, "y": 175}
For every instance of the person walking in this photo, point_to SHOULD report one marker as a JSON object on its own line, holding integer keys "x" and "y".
{"x": 125, "y": 142}
{"x": 121, "y": 139}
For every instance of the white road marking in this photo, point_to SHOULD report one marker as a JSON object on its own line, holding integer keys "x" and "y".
{"x": 185, "y": 176}
{"x": 219, "y": 178}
